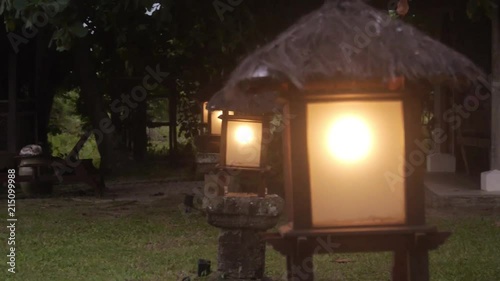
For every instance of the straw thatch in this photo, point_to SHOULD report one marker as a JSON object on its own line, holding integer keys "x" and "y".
{"x": 349, "y": 39}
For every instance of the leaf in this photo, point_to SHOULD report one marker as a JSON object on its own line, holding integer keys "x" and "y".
{"x": 20, "y": 4}
{"x": 63, "y": 2}
{"x": 10, "y": 24}
{"x": 78, "y": 29}
{"x": 2, "y": 6}
{"x": 472, "y": 7}
{"x": 141, "y": 27}
{"x": 62, "y": 40}
{"x": 488, "y": 6}
{"x": 478, "y": 8}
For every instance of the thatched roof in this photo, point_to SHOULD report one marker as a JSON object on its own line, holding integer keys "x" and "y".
{"x": 344, "y": 38}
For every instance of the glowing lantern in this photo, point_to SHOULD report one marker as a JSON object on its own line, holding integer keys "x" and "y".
{"x": 212, "y": 119}
{"x": 243, "y": 144}
{"x": 345, "y": 154}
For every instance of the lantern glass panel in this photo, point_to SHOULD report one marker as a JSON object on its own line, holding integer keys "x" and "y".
{"x": 216, "y": 122}
{"x": 205, "y": 113}
{"x": 356, "y": 151}
{"x": 243, "y": 143}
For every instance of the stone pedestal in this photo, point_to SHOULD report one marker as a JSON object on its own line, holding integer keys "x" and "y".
{"x": 206, "y": 162}
{"x": 241, "y": 217}
{"x": 490, "y": 181}
{"x": 440, "y": 162}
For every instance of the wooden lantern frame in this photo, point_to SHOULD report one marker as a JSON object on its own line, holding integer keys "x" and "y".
{"x": 204, "y": 112}
{"x": 296, "y": 166}
{"x": 209, "y": 124}
{"x": 263, "y": 167}
{"x": 204, "y": 123}
{"x": 206, "y": 142}
{"x": 410, "y": 242}
{"x": 210, "y": 112}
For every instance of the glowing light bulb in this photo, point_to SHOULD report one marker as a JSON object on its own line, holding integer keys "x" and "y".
{"x": 244, "y": 135}
{"x": 350, "y": 139}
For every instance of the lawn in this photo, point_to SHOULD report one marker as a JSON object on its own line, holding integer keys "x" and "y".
{"x": 65, "y": 238}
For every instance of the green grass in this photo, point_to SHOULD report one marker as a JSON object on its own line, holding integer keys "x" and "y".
{"x": 63, "y": 239}
{"x": 60, "y": 239}
{"x": 151, "y": 170}
{"x": 472, "y": 252}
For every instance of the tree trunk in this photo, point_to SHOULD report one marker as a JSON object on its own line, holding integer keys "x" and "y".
{"x": 94, "y": 103}
{"x": 172, "y": 111}
{"x": 495, "y": 89}
{"x": 173, "y": 99}
{"x": 139, "y": 127}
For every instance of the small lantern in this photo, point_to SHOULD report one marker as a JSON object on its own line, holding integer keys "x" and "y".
{"x": 215, "y": 123}
{"x": 346, "y": 155}
{"x": 208, "y": 141}
{"x": 204, "y": 117}
{"x": 243, "y": 145}
{"x": 211, "y": 119}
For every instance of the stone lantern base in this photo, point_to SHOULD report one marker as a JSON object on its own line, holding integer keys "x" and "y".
{"x": 206, "y": 162}
{"x": 241, "y": 217}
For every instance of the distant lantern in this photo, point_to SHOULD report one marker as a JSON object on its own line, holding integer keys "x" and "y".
{"x": 243, "y": 144}
{"x": 211, "y": 119}
{"x": 204, "y": 118}
{"x": 215, "y": 123}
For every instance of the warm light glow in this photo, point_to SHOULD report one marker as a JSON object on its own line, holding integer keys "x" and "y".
{"x": 365, "y": 192}
{"x": 244, "y": 143}
{"x": 349, "y": 139}
{"x": 215, "y": 122}
{"x": 244, "y": 135}
{"x": 205, "y": 113}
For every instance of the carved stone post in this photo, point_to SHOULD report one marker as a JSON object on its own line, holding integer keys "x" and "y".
{"x": 241, "y": 217}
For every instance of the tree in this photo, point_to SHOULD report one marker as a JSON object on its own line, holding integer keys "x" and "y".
{"x": 105, "y": 46}
{"x": 89, "y": 31}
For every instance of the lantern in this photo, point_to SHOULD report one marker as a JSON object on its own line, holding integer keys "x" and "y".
{"x": 243, "y": 145}
{"x": 212, "y": 120}
{"x": 204, "y": 116}
{"x": 346, "y": 153}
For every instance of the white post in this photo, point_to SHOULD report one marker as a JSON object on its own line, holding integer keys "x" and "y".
{"x": 490, "y": 180}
